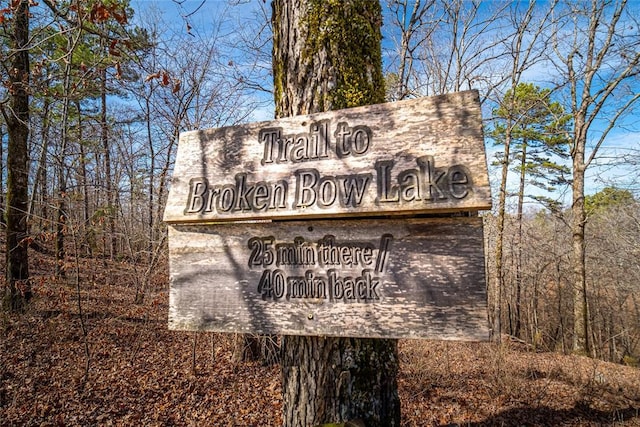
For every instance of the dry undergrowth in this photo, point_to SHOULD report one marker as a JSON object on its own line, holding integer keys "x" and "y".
{"x": 446, "y": 383}
{"x": 139, "y": 373}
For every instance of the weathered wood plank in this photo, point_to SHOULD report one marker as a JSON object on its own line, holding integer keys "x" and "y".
{"x": 416, "y": 156}
{"x": 413, "y": 278}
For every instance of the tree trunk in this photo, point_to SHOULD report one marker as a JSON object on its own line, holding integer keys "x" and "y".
{"x": 326, "y": 55}
{"x": 61, "y": 216}
{"x": 339, "y": 379}
{"x": 498, "y": 280}
{"x": 523, "y": 174}
{"x": 104, "y": 136}
{"x": 578, "y": 221}
{"x": 17, "y": 118}
{"x": 61, "y": 208}
{"x": 88, "y": 229}
{"x": 40, "y": 184}
{"x": 162, "y": 177}
{"x": 2, "y": 176}
{"x": 152, "y": 171}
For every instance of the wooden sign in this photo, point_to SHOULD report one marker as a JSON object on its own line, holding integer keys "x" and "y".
{"x": 235, "y": 268}
{"x": 418, "y": 156}
{"x": 391, "y": 278}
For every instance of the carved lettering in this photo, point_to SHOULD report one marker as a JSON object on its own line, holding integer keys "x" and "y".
{"x": 385, "y": 240}
{"x": 431, "y": 178}
{"x": 339, "y": 282}
{"x": 262, "y": 252}
{"x": 354, "y": 188}
{"x": 272, "y": 285}
{"x": 307, "y": 286}
{"x": 424, "y": 183}
{"x": 349, "y": 254}
{"x": 197, "y": 190}
{"x": 242, "y": 196}
{"x": 351, "y": 141}
{"x": 428, "y": 183}
{"x": 306, "y": 181}
{"x": 459, "y": 182}
{"x": 362, "y": 288}
{"x": 312, "y": 189}
{"x": 315, "y": 144}
{"x": 275, "y": 285}
{"x": 386, "y": 191}
{"x": 297, "y": 253}
{"x": 301, "y": 147}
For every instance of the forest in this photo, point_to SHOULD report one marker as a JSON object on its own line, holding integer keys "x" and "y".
{"x": 94, "y": 96}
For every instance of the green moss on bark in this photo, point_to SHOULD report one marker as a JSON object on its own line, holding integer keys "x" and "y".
{"x": 350, "y": 34}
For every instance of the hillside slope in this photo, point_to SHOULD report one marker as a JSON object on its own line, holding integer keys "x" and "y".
{"x": 139, "y": 373}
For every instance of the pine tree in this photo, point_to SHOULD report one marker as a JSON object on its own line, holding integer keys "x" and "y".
{"x": 538, "y": 131}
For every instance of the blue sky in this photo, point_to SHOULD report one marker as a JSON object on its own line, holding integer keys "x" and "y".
{"x": 623, "y": 141}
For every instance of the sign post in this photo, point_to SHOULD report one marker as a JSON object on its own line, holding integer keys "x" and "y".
{"x": 346, "y": 223}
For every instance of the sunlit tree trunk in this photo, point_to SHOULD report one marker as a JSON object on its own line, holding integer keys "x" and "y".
{"x": 518, "y": 303}
{"x": 578, "y": 222}
{"x": 499, "y": 274}
{"x": 317, "y": 68}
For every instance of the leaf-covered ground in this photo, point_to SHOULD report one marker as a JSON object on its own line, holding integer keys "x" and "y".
{"x": 139, "y": 373}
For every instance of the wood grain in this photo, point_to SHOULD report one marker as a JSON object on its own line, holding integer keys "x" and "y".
{"x": 418, "y": 156}
{"x": 409, "y": 278}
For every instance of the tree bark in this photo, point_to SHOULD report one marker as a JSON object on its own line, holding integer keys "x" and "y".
{"x": 327, "y": 379}
{"x": 104, "y": 137}
{"x": 61, "y": 205}
{"x": 326, "y": 55}
{"x": 2, "y": 207}
{"x": 88, "y": 229}
{"x": 17, "y": 118}
{"x": 152, "y": 171}
{"x": 518, "y": 304}
{"x": 40, "y": 180}
{"x": 496, "y": 330}
{"x": 578, "y": 221}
